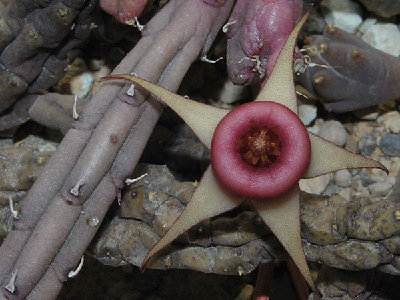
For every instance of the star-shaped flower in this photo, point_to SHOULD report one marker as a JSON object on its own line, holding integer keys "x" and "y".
{"x": 259, "y": 151}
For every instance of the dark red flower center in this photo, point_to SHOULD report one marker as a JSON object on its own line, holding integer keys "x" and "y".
{"x": 260, "y": 150}
{"x": 260, "y": 146}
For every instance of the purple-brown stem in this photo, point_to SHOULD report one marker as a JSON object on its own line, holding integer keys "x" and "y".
{"x": 100, "y": 151}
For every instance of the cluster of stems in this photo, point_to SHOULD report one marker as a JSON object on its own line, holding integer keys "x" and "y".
{"x": 62, "y": 212}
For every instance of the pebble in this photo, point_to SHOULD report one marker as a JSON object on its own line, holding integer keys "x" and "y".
{"x": 366, "y": 25}
{"x": 352, "y": 144}
{"x": 391, "y": 179}
{"x": 346, "y": 193}
{"x": 316, "y": 127}
{"x": 315, "y": 185}
{"x": 307, "y": 113}
{"x": 384, "y": 37}
{"x": 331, "y": 189}
{"x": 380, "y": 189}
{"x": 367, "y": 143}
{"x": 392, "y": 121}
{"x": 365, "y": 178}
{"x": 390, "y": 144}
{"x": 343, "y": 178}
{"x": 343, "y": 14}
{"x": 334, "y": 132}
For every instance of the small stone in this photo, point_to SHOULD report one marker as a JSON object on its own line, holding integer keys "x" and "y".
{"x": 307, "y": 113}
{"x": 393, "y": 121}
{"x": 384, "y": 37}
{"x": 390, "y": 144}
{"x": 367, "y": 144}
{"x": 315, "y": 185}
{"x": 380, "y": 189}
{"x": 316, "y": 127}
{"x": 391, "y": 179}
{"x": 343, "y": 178}
{"x": 343, "y": 14}
{"x": 346, "y": 193}
{"x": 331, "y": 189}
{"x": 366, "y": 25}
{"x": 352, "y": 144}
{"x": 334, "y": 132}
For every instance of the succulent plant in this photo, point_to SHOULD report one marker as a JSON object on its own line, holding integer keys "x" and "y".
{"x": 264, "y": 122}
{"x": 257, "y": 31}
{"x": 349, "y": 74}
{"x": 125, "y": 11}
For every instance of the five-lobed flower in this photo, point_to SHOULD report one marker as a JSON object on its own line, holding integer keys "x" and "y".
{"x": 259, "y": 152}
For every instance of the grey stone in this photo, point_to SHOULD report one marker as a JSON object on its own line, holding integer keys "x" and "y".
{"x": 315, "y": 185}
{"x": 366, "y": 178}
{"x": 367, "y": 144}
{"x": 346, "y": 193}
{"x": 380, "y": 189}
{"x": 384, "y": 37}
{"x": 393, "y": 121}
{"x": 390, "y": 144}
{"x": 343, "y": 178}
{"x": 334, "y": 132}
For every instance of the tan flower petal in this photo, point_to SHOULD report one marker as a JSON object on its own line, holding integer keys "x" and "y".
{"x": 208, "y": 200}
{"x": 282, "y": 215}
{"x": 201, "y": 118}
{"x": 326, "y": 157}
{"x": 279, "y": 86}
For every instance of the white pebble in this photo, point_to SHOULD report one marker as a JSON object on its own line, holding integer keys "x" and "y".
{"x": 307, "y": 113}
{"x": 346, "y": 193}
{"x": 334, "y": 132}
{"x": 366, "y": 25}
{"x": 343, "y": 178}
{"x": 380, "y": 189}
{"x": 383, "y": 36}
{"x": 315, "y": 185}
{"x": 343, "y": 14}
{"x": 393, "y": 121}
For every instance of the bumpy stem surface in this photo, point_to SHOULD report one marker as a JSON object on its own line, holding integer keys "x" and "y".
{"x": 99, "y": 152}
